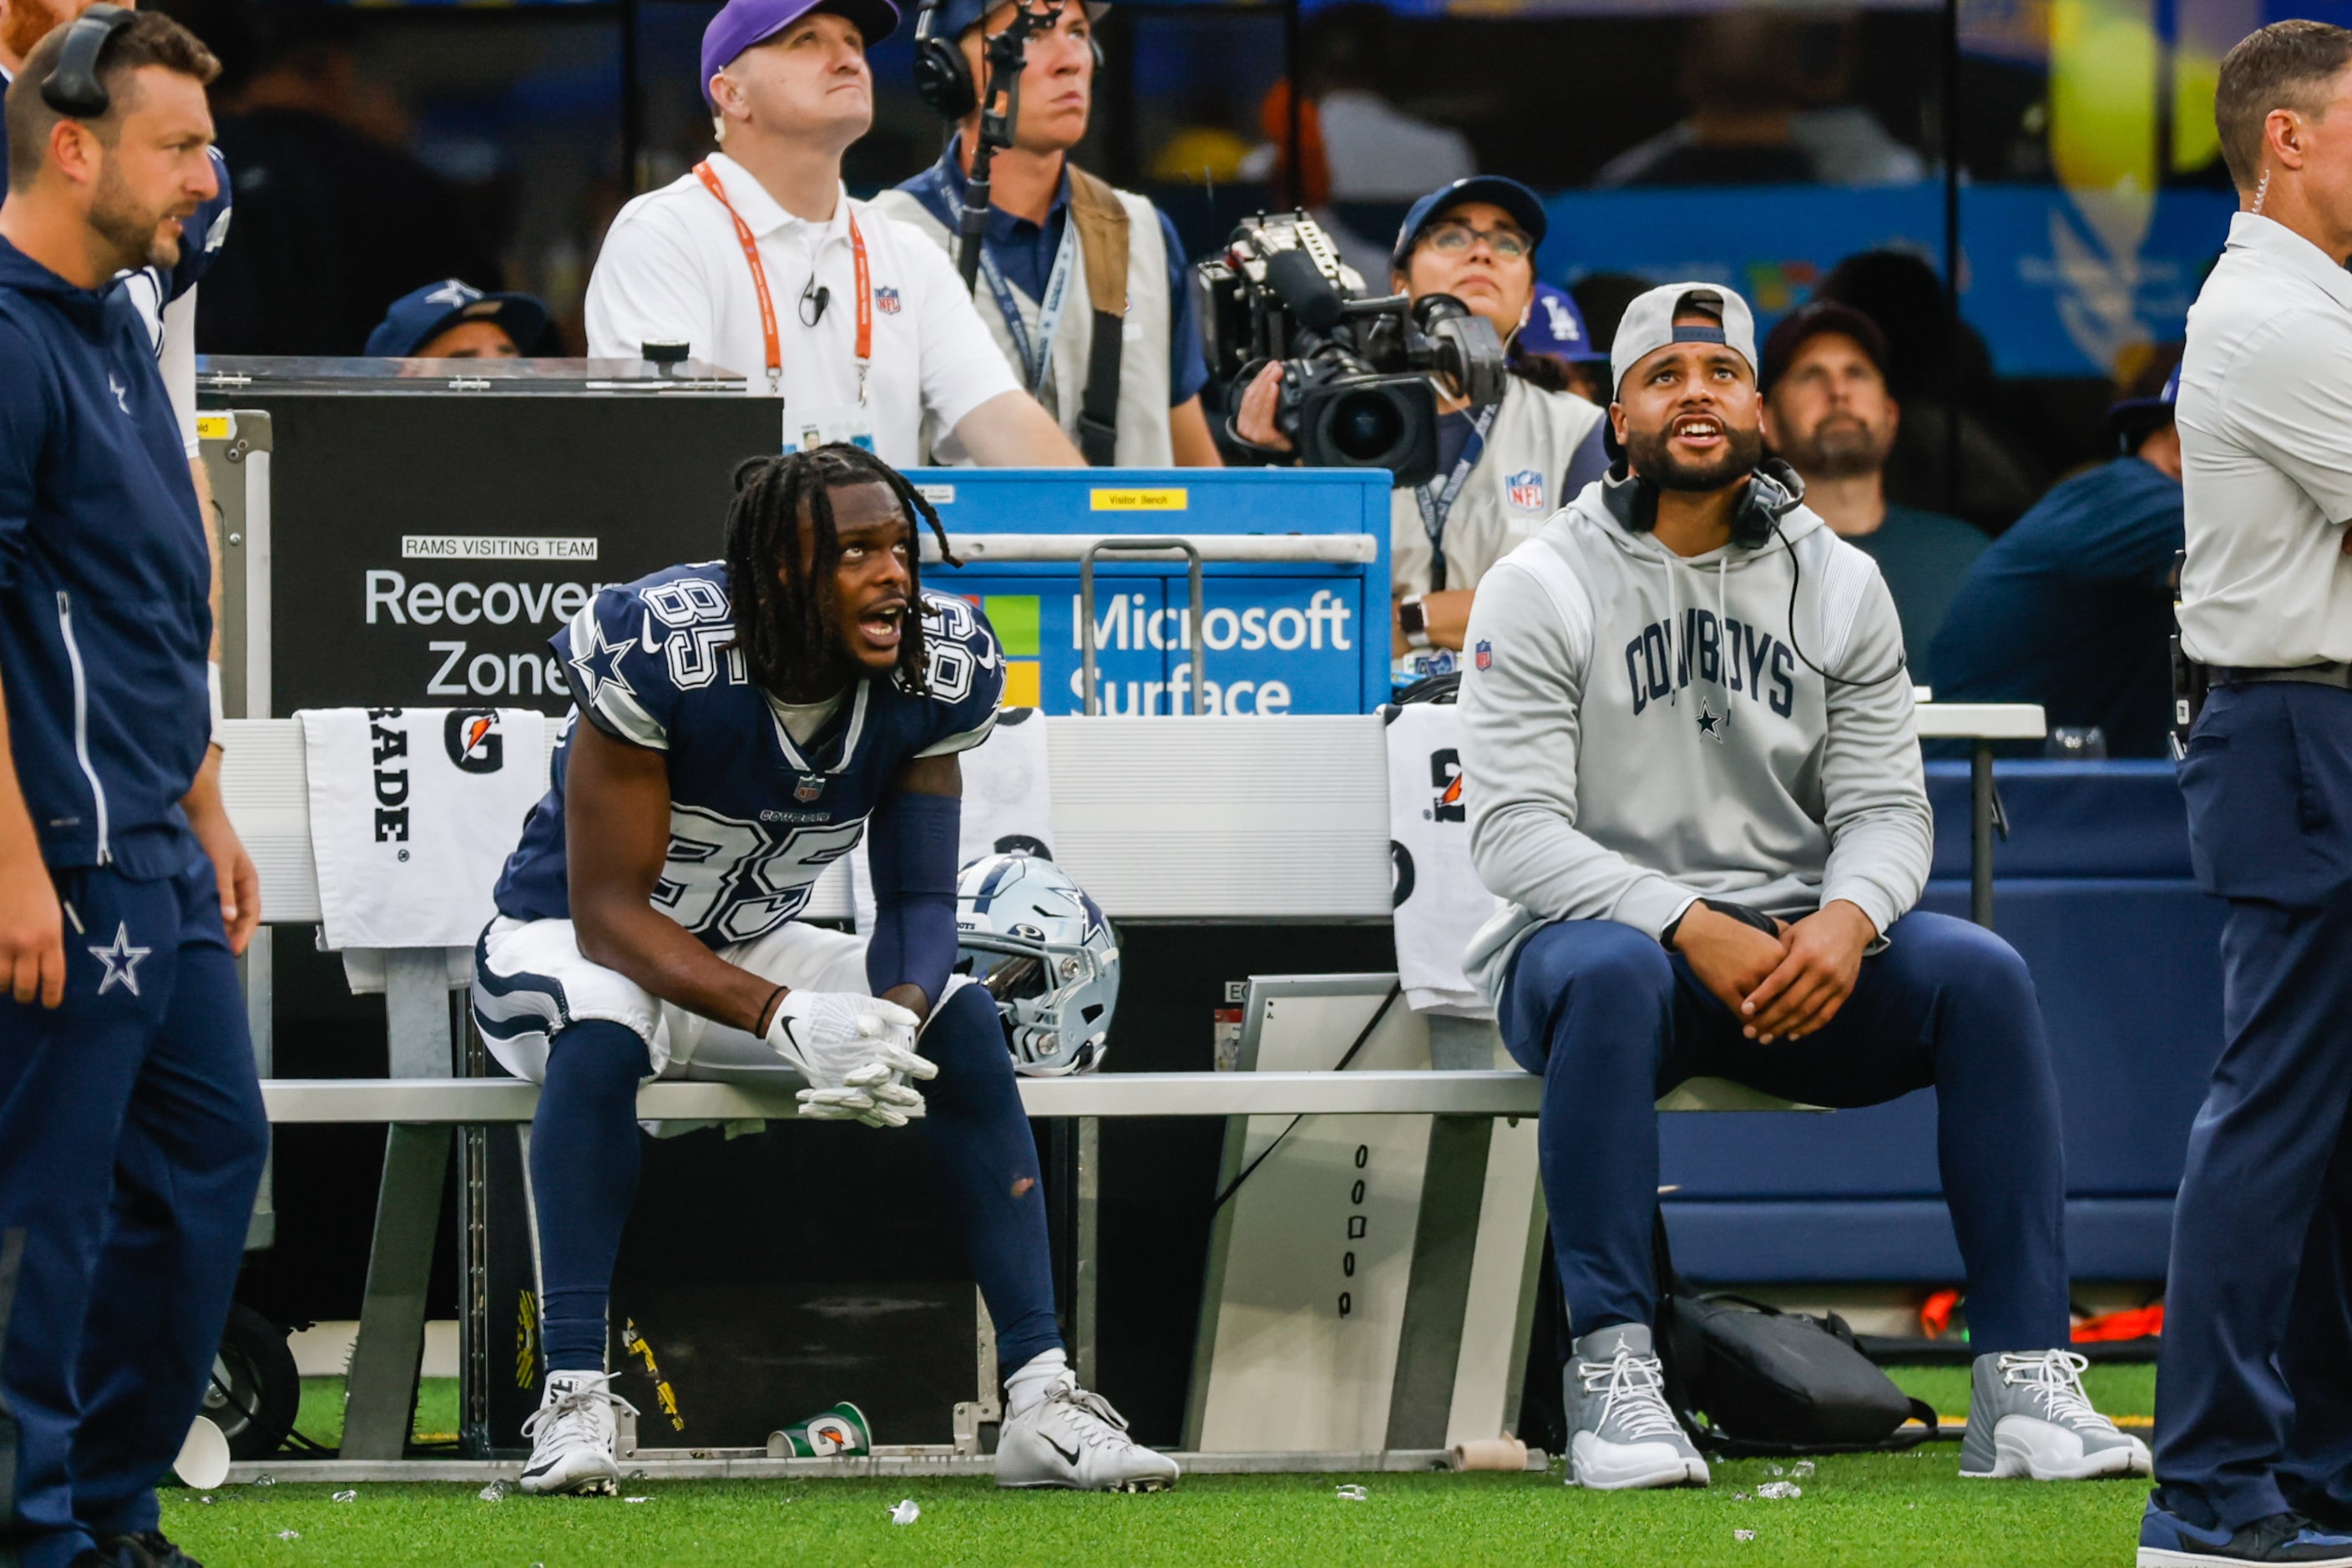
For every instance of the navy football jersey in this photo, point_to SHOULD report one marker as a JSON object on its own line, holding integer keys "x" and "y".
{"x": 755, "y": 817}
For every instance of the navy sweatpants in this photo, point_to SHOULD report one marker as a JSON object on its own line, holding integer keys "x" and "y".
{"x": 2253, "y": 1412}
{"x": 132, "y": 1139}
{"x": 1611, "y": 1021}
{"x": 583, "y": 1174}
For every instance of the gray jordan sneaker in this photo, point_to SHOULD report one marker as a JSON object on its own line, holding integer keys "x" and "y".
{"x": 2028, "y": 1415}
{"x": 1624, "y": 1435}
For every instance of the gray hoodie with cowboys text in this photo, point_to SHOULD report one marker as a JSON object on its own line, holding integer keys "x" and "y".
{"x": 1639, "y": 730}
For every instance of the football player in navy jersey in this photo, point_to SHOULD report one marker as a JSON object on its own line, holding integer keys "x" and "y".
{"x": 738, "y": 726}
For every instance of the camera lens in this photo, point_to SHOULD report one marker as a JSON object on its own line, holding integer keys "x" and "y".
{"x": 1365, "y": 427}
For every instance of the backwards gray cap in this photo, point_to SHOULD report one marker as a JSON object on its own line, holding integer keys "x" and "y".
{"x": 1648, "y": 325}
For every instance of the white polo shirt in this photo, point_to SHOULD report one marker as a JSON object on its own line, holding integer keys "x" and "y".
{"x": 672, "y": 271}
{"x": 2265, "y": 421}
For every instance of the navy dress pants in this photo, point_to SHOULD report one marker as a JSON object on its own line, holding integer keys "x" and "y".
{"x": 1611, "y": 1020}
{"x": 132, "y": 1140}
{"x": 2254, "y": 1401}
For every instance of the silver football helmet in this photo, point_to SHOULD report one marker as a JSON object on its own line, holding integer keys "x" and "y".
{"x": 1031, "y": 936}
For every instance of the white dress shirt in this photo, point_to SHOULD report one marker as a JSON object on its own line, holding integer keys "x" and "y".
{"x": 672, "y": 271}
{"x": 2265, "y": 421}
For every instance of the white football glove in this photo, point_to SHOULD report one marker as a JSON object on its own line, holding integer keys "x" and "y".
{"x": 856, "y": 1053}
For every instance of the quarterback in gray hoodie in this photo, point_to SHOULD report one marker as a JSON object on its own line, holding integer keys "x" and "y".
{"x": 1692, "y": 776}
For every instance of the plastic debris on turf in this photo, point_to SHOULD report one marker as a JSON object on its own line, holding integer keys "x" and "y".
{"x": 496, "y": 1492}
{"x": 1802, "y": 1467}
{"x": 289, "y": 1535}
{"x": 208, "y": 1500}
{"x": 265, "y": 1479}
{"x": 1743, "y": 1535}
{"x": 636, "y": 1499}
{"x": 906, "y": 1512}
{"x": 1777, "y": 1489}
{"x": 1352, "y": 1494}
{"x": 347, "y": 1497}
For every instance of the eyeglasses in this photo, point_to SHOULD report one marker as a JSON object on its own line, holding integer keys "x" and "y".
{"x": 1452, "y": 237}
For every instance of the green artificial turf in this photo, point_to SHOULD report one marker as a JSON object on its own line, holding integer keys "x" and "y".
{"x": 1894, "y": 1509}
{"x": 319, "y": 1418}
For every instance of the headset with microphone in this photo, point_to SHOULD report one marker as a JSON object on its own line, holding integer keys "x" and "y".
{"x": 72, "y": 87}
{"x": 943, "y": 78}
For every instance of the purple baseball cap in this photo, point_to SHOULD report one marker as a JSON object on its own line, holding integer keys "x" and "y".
{"x": 740, "y": 23}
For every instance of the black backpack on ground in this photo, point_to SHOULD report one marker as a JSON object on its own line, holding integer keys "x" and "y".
{"x": 1770, "y": 1383}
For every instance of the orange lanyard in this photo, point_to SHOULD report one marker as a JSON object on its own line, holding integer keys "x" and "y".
{"x": 744, "y": 236}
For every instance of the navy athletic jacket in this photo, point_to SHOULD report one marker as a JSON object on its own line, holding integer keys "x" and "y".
{"x": 104, "y": 578}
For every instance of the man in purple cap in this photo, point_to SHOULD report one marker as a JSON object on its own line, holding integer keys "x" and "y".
{"x": 759, "y": 260}
{"x": 1502, "y": 470}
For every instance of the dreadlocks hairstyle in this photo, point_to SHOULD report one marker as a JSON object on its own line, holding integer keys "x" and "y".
{"x": 787, "y": 627}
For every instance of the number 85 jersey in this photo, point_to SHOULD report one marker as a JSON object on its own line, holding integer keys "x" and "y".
{"x": 755, "y": 817}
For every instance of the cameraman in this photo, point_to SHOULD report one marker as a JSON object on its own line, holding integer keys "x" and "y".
{"x": 1501, "y": 471}
{"x": 1055, "y": 233}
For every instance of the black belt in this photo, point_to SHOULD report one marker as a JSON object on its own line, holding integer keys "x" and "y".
{"x": 2335, "y": 675}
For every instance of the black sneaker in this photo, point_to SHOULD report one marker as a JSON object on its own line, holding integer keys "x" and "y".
{"x": 148, "y": 1549}
{"x": 2167, "y": 1540}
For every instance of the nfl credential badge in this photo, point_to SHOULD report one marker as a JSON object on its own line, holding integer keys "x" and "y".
{"x": 809, "y": 788}
{"x": 1524, "y": 490}
{"x": 1485, "y": 656}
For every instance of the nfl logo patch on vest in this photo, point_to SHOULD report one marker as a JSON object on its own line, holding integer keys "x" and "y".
{"x": 1525, "y": 490}
{"x": 886, "y": 300}
{"x": 1485, "y": 656}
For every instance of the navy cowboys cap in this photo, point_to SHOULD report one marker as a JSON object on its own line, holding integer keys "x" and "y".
{"x": 421, "y": 315}
{"x": 1525, "y": 206}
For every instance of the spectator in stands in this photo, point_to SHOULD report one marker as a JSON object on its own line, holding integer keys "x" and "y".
{"x": 1758, "y": 115}
{"x": 2073, "y": 606}
{"x": 1828, "y": 413}
{"x": 335, "y": 218}
{"x": 1375, "y": 151}
{"x": 1502, "y": 470}
{"x": 1935, "y": 369}
{"x": 454, "y": 320}
{"x": 1556, "y": 352}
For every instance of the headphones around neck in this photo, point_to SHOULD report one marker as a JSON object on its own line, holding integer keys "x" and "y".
{"x": 942, "y": 80}
{"x": 72, "y": 87}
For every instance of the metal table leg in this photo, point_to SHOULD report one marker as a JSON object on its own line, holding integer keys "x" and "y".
{"x": 380, "y": 1402}
{"x": 1086, "y": 1273}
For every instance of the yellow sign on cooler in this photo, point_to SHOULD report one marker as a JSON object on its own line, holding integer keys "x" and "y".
{"x": 1169, "y": 498}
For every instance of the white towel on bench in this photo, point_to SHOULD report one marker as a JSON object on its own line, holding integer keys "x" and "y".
{"x": 413, "y": 812}
{"x": 1441, "y": 903}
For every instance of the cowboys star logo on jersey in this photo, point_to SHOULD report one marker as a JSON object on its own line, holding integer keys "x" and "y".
{"x": 654, "y": 664}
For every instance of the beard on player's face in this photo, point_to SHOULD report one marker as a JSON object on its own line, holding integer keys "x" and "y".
{"x": 1651, "y": 455}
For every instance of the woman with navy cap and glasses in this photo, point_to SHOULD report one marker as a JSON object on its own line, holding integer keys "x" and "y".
{"x": 1502, "y": 470}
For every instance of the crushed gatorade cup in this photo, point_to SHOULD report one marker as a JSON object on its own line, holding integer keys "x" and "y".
{"x": 839, "y": 1433}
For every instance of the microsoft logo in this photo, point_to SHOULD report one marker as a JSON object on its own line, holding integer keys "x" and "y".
{"x": 1015, "y": 618}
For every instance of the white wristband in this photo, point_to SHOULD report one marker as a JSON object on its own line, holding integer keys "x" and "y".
{"x": 213, "y": 685}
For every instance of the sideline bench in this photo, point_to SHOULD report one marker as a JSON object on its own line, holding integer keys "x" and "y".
{"x": 1228, "y": 820}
